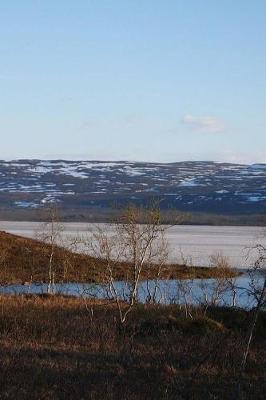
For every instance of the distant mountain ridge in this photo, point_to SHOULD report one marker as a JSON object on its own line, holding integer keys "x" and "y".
{"x": 188, "y": 186}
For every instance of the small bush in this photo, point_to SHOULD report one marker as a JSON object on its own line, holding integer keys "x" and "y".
{"x": 202, "y": 326}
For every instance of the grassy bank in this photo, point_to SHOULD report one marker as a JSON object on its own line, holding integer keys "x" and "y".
{"x": 23, "y": 260}
{"x": 61, "y": 348}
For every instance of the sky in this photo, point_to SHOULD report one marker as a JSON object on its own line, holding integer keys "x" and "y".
{"x": 150, "y": 80}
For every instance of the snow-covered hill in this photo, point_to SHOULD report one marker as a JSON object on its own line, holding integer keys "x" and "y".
{"x": 190, "y": 186}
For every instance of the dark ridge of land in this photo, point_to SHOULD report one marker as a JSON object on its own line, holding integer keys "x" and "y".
{"x": 109, "y": 214}
{"x": 60, "y": 348}
{"x": 27, "y": 260}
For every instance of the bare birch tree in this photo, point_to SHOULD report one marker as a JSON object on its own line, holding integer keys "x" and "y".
{"x": 258, "y": 291}
{"x": 51, "y": 234}
{"x": 137, "y": 238}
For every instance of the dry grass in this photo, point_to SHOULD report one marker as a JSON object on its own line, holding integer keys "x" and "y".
{"x": 61, "y": 348}
{"x": 22, "y": 260}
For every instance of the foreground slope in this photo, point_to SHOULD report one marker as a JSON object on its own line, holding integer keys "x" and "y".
{"x": 27, "y": 260}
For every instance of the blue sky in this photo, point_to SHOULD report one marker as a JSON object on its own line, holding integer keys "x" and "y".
{"x": 133, "y": 79}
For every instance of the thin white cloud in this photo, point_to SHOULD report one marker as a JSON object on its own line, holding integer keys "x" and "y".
{"x": 204, "y": 124}
{"x": 223, "y": 156}
{"x": 242, "y": 157}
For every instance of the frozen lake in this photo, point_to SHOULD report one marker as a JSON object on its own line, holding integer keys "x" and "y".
{"x": 197, "y": 243}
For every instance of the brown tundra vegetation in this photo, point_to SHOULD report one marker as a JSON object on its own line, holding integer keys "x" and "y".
{"x": 65, "y": 348}
{"x": 22, "y": 260}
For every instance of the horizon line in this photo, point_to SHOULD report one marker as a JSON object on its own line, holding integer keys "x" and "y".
{"x": 67, "y": 159}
